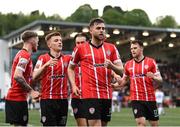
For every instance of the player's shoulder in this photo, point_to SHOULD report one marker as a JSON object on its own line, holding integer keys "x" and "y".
{"x": 129, "y": 61}
{"x": 149, "y": 59}
{"x": 44, "y": 56}
{"x": 68, "y": 56}
{"x": 108, "y": 44}
{"x": 23, "y": 54}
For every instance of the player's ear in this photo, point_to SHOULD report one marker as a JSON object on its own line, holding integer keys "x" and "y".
{"x": 90, "y": 29}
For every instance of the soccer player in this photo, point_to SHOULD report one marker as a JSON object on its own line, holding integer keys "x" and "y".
{"x": 97, "y": 60}
{"x": 76, "y": 101}
{"x": 16, "y": 106}
{"x": 142, "y": 71}
{"x": 51, "y": 70}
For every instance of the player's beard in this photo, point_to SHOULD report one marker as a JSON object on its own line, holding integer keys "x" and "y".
{"x": 99, "y": 37}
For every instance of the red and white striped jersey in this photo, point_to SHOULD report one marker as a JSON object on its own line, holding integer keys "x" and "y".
{"x": 22, "y": 61}
{"x": 54, "y": 78}
{"x": 141, "y": 87}
{"x": 96, "y": 79}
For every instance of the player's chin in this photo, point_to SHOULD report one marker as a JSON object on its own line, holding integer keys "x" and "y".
{"x": 101, "y": 37}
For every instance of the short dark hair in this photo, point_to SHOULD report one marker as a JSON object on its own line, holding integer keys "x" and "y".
{"x": 81, "y": 35}
{"x": 26, "y": 35}
{"x": 96, "y": 20}
{"x": 49, "y": 35}
{"x": 138, "y": 42}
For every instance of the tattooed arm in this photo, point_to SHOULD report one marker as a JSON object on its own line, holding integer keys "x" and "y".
{"x": 21, "y": 81}
{"x": 19, "y": 78}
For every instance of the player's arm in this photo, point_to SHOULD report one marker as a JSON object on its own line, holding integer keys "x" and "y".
{"x": 117, "y": 80}
{"x": 122, "y": 81}
{"x": 18, "y": 76}
{"x": 71, "y": 77}
{"x": 156, "y": 77}
{"x": 38, "y": 71}
{"x": 155, "y": 73}
{"x": 116, "y": 67}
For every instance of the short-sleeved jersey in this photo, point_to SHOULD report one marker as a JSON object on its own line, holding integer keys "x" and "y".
{"x": 54, "y": 78}
{"x": 141, "y": 87}
{"x": 96, "y": 79}
{"x": 23, "y": 62}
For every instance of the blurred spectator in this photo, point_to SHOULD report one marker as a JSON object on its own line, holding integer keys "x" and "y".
{"x": 159, "y": 100}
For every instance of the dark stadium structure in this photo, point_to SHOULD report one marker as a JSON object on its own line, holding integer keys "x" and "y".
{"x": 161, "y": 43}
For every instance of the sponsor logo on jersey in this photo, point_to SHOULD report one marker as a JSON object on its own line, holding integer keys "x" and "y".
{"x": 146, "y": 66}
{"x": 99, "y": 65}
{"x": 108, "y": 52}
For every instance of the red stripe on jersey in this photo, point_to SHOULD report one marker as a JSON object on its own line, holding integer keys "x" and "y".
{"x": 141, "y": 87}
{"x": 16, "y": 93}
{"x": 96, "y": 79}
{"x": 54, "y": 79}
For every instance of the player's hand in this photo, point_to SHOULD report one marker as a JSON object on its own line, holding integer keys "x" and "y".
{"x": 76, "y": 91}
{"x": 150, "y": 75}
{"x": 108, "y": 63}
{"x": 117, "y": 86}
{"x": 35, "y": 94}
{"x": 118, "y": 79}
{"x": 52, "y": 62}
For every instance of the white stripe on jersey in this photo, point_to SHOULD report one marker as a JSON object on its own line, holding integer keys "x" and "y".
{"x": 62, "y": 79}
{"x": 117, "y": 53}
{"x": 80, "y": 83}
{"x": 106, "y": 73}
{"x": 51, "y": 86}
{"x": 95, "y": 73}
{"x": 73, "y": 57}
{"x": 144, "y": 83}
{"x": 135, "y": 80}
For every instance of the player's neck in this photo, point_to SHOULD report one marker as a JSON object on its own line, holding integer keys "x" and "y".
{"x": 27, "y": 48}
{"x": 140, "y": 58}
{"x": 55, "y": 54}
{"x": 96, "y": 42}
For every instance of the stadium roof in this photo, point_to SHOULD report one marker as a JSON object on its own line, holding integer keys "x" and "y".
{"x": 155, "y": 39}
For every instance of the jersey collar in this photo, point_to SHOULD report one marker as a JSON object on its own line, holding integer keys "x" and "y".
{"x": 139, "y": 61}
{"x": 53, "y": 56}
{"x": 94, "y": 45}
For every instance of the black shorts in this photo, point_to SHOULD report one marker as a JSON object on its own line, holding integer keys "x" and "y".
{"x": 98, "y": 109}
{"x": 16, "y": 112}
{"x": 78, "y": 108}
{"x": 54, "y": 112}
{"x": 147, "y": 109}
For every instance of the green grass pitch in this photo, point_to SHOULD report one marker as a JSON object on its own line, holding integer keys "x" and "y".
{"x": 123, "y": 118}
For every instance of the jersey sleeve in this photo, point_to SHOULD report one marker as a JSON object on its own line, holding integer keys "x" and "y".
{"x": 116, "y": 56}
{"x": 75, "y": 56}
{"x": 155, "y": 68}
{"x": 23, "y": 62}
{"x": 126, "y": 72}
{"x": 40, "y": 62}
